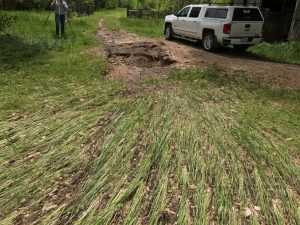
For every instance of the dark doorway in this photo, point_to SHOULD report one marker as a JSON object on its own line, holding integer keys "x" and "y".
{"x": 278, "y": 16}
{"x": 272, "y": 5}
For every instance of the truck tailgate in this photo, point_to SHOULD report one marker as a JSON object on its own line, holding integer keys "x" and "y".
{"x": 246, "y": 29}
{"x": 246, "y": 22}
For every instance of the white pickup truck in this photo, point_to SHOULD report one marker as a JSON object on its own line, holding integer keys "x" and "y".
{"x": 239, "y": 26}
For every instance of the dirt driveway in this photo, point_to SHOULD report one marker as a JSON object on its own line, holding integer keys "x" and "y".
{"x": 133, "y": 58}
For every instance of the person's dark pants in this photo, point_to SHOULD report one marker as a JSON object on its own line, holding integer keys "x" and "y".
{"x": 60, "y": 21}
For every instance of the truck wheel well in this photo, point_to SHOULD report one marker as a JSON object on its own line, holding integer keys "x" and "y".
{"x": 168, "y": 23}
{"x": 207, "y": 30}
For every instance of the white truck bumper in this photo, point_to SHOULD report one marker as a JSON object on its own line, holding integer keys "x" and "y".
{"x": 241, "y": 40}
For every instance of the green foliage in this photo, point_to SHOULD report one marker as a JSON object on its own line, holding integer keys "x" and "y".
{"x": 159, "y": 5}
{"x": 6, "y": 21}
{"x": 24, "y": 4}
{"x": 44, "y": 4}
{"x": 168, "y": 5}
{"x": 285, "y": 52}
{"x": 116, "y": 19}
{"x": 144, "y": 27}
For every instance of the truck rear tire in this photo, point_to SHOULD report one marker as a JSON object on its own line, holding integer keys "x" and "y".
{"x": 169, "y": 32}
{"x": 209, "y": 42}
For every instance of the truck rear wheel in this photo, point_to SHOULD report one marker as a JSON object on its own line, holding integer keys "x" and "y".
{"x": 209, "y": 42}
{"x": 169, "y": 32}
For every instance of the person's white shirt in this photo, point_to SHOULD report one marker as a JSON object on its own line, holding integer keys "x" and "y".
{"x": 60, "y": 7}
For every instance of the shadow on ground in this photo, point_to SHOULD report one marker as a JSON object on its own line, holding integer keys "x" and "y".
{"x": 229, "y": 52}
{"x": 14, "y": 51}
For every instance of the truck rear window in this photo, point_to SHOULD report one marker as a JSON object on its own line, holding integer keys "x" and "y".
{"x": 246, "y": 14}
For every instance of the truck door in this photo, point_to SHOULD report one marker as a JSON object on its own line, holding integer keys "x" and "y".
{"x": 193, "y": 23}
{"x": 179, "y": 25}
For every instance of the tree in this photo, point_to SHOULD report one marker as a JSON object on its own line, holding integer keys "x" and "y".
{"x": 158, "y": 5}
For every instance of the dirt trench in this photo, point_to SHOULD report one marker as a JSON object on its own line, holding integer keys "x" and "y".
{"x": 133, "y": 59}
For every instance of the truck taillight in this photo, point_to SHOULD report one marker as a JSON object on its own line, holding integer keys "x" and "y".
{"x": 227, "y": 28}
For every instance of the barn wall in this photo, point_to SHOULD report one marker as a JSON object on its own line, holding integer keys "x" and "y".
{"x": 277, "y": 25}
{"x": 295, "y": 27}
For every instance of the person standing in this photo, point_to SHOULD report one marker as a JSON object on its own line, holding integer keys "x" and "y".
{"x": 61, "y": 8}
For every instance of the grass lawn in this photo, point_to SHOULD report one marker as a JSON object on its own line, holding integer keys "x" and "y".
{"x": 198, "y": 147}
{"x": 281, "y": 52}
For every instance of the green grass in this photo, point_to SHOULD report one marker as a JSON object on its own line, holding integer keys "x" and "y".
{"x": 152, "y": 28}
{"x": 146, "y": 27}
{"x": 282, "y": 52}
{"x": 78, "y": 148}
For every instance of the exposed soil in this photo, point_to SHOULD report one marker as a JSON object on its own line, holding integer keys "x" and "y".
{"x": 134, "y": 59}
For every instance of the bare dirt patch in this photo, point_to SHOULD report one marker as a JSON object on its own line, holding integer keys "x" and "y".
{"x": 297, "y": 161}
{"x": 137, "y": 61}
{"x": 133, "y": 58}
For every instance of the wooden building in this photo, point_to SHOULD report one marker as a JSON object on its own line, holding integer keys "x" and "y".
{"x": 282, "y": 18}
